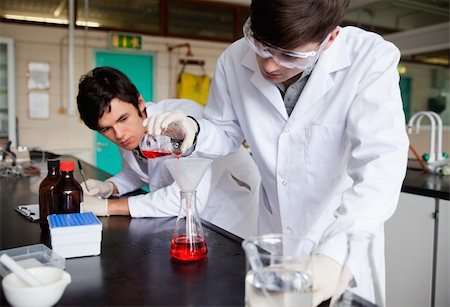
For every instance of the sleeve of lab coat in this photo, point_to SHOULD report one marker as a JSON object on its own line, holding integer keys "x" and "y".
{"x": 378, "y": 153}
{"x": 220, "y": 133}
{"x": 126, "y": 180}
{"x": 165, "y": 201}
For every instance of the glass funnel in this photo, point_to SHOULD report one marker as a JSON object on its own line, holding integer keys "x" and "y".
{"x": 188, "y": 239}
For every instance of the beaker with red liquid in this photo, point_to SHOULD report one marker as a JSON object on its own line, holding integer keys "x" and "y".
{"x": 157, "y": 153}
{"x": 155, "y": 146}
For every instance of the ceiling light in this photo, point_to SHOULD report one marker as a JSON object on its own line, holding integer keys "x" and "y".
{"x": 52, "y": 20}
{"x": 90, "y": 24}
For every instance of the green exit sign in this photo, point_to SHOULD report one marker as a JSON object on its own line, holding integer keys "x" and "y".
{"x": 125, "y": 41}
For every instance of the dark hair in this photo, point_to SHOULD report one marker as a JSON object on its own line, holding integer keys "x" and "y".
{"x": 97, "y": 88}
{"x": 289, "y": 24}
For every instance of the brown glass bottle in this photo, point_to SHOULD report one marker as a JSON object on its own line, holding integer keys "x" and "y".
{"x": 46, "y": 188}
{"x": 68, "y": 193}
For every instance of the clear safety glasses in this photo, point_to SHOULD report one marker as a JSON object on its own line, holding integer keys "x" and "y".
{"x": 283, "y": 57}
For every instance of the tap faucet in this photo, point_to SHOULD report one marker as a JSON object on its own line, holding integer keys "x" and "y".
{"x": 439, "y": 154}
{"x": 436, "y": 123}
{"x": 417, "y": 118}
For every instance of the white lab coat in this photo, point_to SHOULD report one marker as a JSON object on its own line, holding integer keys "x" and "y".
{"x": 344, "y": 145}
{"x": 222, "y": 199}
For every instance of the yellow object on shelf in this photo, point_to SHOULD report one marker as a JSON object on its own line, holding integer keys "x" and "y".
{"x": 194, "y": 87}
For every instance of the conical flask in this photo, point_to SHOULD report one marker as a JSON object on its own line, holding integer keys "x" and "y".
{"x": 188, "y": 239}
{"x": 363, "y": 289}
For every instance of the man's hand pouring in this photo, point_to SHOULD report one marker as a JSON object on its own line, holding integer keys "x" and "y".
{"x": 176, "y": 125}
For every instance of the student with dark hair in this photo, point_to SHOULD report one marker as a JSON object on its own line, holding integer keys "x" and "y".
{"x": 96, "y": 90}
{"x": 109, "y": 103}
{"x": 320, "y": 107}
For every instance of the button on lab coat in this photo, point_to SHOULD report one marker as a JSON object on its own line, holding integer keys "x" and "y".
{"x": 227, "y": 194}
{"x": 340, "y": 158}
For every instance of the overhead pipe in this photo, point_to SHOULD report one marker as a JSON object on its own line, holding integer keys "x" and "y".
{"x": 420, "y": 6}
{"x": 70, "y": 59}
{"x": 186, "y": 45}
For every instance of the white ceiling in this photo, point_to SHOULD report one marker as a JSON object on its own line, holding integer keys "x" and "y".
{"x": 405, "y": 21}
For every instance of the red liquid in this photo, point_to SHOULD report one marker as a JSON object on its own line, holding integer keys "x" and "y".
{"x": 152, "y": 154}
{"x": 183, "y": 250}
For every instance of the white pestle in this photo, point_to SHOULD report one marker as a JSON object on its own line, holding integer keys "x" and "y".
{"x": 23, "y": 274}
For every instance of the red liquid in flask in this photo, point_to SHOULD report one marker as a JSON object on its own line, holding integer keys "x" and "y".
{"x": 152, "y": 154}
{"x": 184, "y": 250}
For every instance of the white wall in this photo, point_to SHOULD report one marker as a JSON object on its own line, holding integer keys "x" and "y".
{"x": 67, "y": 134}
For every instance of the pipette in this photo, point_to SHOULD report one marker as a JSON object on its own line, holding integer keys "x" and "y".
{"x": 82, "y": 175}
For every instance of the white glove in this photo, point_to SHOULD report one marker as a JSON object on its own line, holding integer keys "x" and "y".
{"x": 96, "y": 205}
{"x": 104, "y": 189}
{"x": 181, "y": 127}
{"x": 327, "y": 278}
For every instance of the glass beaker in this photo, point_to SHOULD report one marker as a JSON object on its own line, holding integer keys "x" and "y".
{"x": 278, "y": 271}
{"x": 363, "y": 289}
{"x": 188, "y": 239}
{"x": 155, "y": 146}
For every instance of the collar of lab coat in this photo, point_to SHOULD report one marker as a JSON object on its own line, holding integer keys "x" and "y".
{"x": 335, "y": 58}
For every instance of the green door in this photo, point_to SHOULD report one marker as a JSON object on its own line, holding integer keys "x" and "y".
{"x": 139, "y": 68}
{"x": 405, "y": 88}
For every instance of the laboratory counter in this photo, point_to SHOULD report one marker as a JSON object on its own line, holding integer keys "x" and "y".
{"x": 419, "y": 182}
{"x": 134, "y": 267}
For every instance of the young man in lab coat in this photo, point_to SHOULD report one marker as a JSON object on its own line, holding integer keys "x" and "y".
{"x": 320, "y": 107}
{"x": 109, "y": 103}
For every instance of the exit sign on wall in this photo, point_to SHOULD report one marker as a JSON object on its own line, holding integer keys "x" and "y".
{"x": 125, "y": 41}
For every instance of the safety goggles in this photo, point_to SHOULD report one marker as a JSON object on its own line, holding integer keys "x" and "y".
{"x": 283, "y": 57}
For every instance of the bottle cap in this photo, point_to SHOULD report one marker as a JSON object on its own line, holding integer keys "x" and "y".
{"x": 52, "y": 163}
{"x": 65, "y": 166}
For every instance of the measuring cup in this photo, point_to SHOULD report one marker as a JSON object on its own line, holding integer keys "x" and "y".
{"x": 277, "y": 271}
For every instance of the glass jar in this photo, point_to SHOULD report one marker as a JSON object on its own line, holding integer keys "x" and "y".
{"x": 68, "y": 193}
{"x": 46, "y": 189}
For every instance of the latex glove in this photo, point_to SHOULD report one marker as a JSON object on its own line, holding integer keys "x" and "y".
{"x": 104, "y": 189}
{"x": 327, "y": 278}
{"x": 98, "y": 206}
{"x": 181, "y": 127}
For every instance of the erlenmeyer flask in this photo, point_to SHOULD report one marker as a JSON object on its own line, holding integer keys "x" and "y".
{"x": 188, "y": 240}
{"x": 363, "y": 290}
